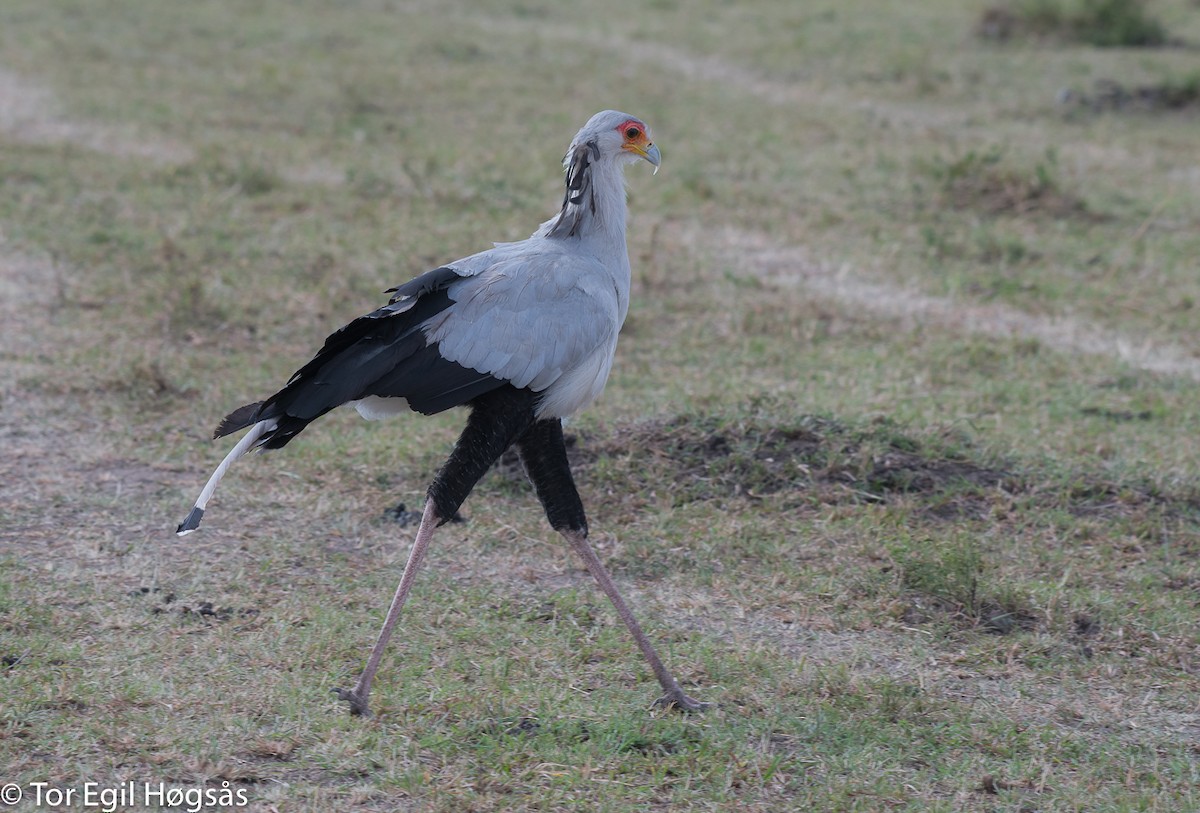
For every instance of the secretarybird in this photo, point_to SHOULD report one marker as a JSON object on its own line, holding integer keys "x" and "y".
{"x": 523, "y": 334}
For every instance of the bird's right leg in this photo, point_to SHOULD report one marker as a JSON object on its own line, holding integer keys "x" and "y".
{"x": 497, "y": 419}
{"x": 674, "y": 696}
{"x": 545, "y": 456}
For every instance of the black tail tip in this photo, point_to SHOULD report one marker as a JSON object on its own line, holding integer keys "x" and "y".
{"x": 191, "y": 523}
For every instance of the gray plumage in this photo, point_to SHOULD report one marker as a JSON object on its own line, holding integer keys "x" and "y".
{"x": 541, "y": 314}
{"x": 523, "y": 333}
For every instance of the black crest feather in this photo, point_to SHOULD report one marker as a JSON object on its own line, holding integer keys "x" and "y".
{"x": 579, "y": 186}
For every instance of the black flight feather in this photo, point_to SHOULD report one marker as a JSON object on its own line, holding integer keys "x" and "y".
{"x": 240, "y": 418}
{"x": 383, "y": 353}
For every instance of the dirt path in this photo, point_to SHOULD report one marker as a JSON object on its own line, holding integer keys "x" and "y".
{"x": 795, "y": 266}
{"x": 29, "y": 113}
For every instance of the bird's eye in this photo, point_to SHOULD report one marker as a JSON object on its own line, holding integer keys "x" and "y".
{"x": 632, "y": 133}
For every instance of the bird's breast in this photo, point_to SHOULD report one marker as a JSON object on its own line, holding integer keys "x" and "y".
{"x": 578, "y": 386}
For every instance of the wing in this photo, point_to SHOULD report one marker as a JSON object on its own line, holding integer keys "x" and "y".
{"x": 527, "y": 314}
{"x": 529, "y": 319}
{"x": 383, "y": 353}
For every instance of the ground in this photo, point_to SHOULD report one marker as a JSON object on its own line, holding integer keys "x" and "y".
{"x": 898, "y": 462}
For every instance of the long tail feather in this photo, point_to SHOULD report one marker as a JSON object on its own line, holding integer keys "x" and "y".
{"x": 192, "y": 521}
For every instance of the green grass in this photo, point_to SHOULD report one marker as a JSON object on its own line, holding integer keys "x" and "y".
{"x": 897, "y": 462}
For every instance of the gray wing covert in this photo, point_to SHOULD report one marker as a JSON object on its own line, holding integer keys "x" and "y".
{"x": 528, "y": 320}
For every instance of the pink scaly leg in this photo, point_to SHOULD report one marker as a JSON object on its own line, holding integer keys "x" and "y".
{"x": 674, "y": 696}
{"x": 357, "y": 697}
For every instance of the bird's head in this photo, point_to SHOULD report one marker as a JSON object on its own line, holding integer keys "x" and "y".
{"x": 615, "y": 135}
{"x": 595, "y": 191}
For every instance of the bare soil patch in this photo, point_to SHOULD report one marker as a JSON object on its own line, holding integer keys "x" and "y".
{"x": 698, "y": 458}
{"x": 1109, "y": 95}
{"x": 984, "y": 181}
{"x": 703, "y": 458}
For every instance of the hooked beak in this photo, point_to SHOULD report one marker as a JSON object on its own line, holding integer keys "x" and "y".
{"x": 651, "y": 155}
{"x": 648, "y": 151}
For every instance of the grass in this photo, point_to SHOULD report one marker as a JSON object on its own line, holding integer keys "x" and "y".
{"x": 1102, "y": 23}
{"x": 897, "y": 462}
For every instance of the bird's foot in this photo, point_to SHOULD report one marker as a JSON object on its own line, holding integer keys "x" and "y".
{"x": 676, "y": 699}
{"x": 358, "y": 703}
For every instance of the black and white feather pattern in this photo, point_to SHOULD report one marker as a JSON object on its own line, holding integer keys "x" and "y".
{"x": 541, "y": 315}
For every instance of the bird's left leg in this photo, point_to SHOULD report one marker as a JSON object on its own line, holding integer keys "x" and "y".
{"x": 545, "y": 457}
{"x": 497, "y": 419}
{"x": 357, "y": 697}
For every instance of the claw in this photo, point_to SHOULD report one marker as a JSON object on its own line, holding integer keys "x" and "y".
{"x": 358, "y": 705}
{"x": 681, "y": 702}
